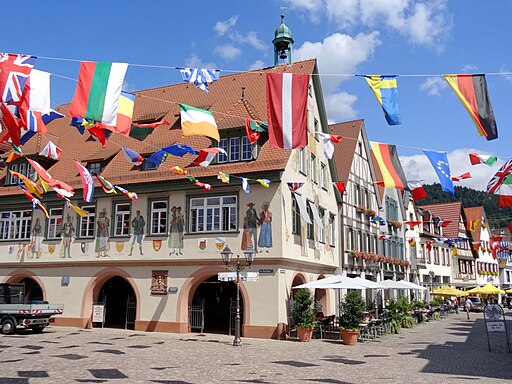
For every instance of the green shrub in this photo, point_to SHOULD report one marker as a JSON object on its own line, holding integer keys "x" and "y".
{"x": 352, "y": 311}
{"x": 436, "y": 301}
{"x": 303, "y": 314}
{"x": 407, "y": 322}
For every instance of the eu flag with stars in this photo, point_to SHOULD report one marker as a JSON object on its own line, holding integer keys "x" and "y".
{"x": 385, "y": 90}
{"x": 440, "y": 163}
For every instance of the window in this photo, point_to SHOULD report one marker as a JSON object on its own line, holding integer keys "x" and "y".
{"x": 94, "y": 168}
{"x": 87, "y": 223}
{"x": 54, "y": 222}
{"x": 332, "y": 230}
{"x": 310, "y": 226}
{"x": 213, "y": 214}
{"x": 246, "y": 149}
{"x": 222, "y": 158}
{"x": 321, "y": 228}
{"x": 303, "y": 162}
{"x": 15, "y": 225}
{"x": 23, "y": 168}
{"x": 158, "y": 209}
{"x": 295, "y": 217}
{"x": 323, "y": 176}
{"x": 122, "y": 219}
{"x": 148, "y": 165}
{"x": 234, "y": 149}
{"x": 314, "y": 177}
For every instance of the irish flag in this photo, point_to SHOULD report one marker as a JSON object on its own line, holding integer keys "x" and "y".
{"x": 98, "y": 91}
{"x": 476, "y": 159}
{"x": 505, "y": 194}
{"x": 198, "y": 122}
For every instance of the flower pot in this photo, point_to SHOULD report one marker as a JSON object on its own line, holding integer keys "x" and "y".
{"x": 349, "y": 336}
{"x": 304, "y": 334}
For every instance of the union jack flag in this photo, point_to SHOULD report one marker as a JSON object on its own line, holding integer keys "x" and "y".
{"x": 495, "y": 183}
{"x": 14, "y": 73}
{"x": 294, "y": 186}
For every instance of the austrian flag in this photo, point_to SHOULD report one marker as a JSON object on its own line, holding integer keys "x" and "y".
{"x": 287, "y": 96}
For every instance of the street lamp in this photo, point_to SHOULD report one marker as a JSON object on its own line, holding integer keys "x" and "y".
{"x": 226, "y": 254}
{"x": 432, "y": 275}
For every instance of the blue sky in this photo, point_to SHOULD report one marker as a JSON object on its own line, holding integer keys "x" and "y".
{"x": 402, "y": 37}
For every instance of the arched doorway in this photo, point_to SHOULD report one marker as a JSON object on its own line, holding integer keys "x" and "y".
{"x": 218, "y": 299}
{"x": 33, "y": 291}
{"x": 120, "y": 303}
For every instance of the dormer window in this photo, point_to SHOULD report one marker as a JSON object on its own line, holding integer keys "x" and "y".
{"x": 94, "y": 167}
{"x": 237, "y": 148}
{"x": 148, "y": 165}
{"x": 24, "y": 168}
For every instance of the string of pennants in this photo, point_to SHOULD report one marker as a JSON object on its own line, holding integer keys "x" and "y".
{"x": 100, "y": 106}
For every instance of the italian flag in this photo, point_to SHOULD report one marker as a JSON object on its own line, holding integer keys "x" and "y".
{"x": 505, "y": 194}
{"x": 198, "y": 122}
{"x": 476, "y": 159}
{"x": 98, "y": 91}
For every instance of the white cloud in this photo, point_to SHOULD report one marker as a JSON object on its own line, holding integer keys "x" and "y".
{"x": 222, "y": 27}
{"x": 195, "y": 61}
{"x": 251, "y": 39}
{"x": 228, "y": 51}
{"x": 469, "y": 68}
{"x": 420, "y": 22}
{"x": 339, "y": 54}
{"x": 433, "y": 85}
{"x": 258, "y": 64}
{"x": 419, "y": 167}
{"x": 341, "y": 106}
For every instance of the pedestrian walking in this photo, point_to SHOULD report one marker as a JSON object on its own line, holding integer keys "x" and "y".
{"x": 467, "y": 306}
{"x": 456, "y": 305}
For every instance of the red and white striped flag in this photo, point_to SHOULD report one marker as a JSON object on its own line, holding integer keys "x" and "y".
{"x": 207, "y": 155}
{"x": 287, "y": 96}
{"x": 466, "y": 175}
{"x": 51, "y": 151}
{"x": 417, "y": 190}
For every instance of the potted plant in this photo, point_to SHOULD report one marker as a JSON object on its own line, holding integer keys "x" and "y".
{"x": 303, "y": 314}
{"x": 352, "y": 314}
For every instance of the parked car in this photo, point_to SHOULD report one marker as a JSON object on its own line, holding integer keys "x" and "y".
{"x": 478, "y": 304}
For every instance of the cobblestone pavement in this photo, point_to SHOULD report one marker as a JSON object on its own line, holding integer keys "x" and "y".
{"x": 451, "y": 350}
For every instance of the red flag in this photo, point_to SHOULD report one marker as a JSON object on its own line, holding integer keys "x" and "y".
{"x": 444, "y": 223}
{"x": 340, "y": 186}
{"x": 417, "y": 190}
{"x": 45, "y": 176}
{"x": 336, "y": 138}
{"x": 466, "y": 175}
{"x": 12, "y": 123}
{"x": 495, "y": 244}
{"x": 287, "y": 96}
{"x": 98, "y": 134}
{"x": 412, "y": 224}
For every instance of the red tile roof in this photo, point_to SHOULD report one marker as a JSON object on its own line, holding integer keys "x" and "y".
{"x": 345, "y": 149}
{"x": 447, "y": 211}
{"x": 224, "y": 100}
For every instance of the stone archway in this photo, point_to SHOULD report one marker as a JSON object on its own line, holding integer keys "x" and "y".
{"x": 34, "y": 288}
{"x": 119, "y": 300}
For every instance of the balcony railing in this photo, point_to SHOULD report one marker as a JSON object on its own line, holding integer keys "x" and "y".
{"x": 464, "y": 276}
{"x": 421, "y": 262}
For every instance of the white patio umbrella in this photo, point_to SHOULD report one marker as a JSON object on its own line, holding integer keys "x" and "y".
{"x": 392, "y": 284}
{"x": 320, "y": 283}
{"x": 409, "y": 285}
{"x": 343, "y": 283}
{"x": 368, "y": 283}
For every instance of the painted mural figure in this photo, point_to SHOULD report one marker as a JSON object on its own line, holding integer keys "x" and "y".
{"x": 246, "y": 236}
{"x": 66, "y": 232}
{"x": 252, "y": 224}
{"x": 36, "y": 239}
{"x": 138, "y": 224}
{"x": 176, "y": 231}
{"x": 265, "y": 220}
{"x": 102, "y": 232}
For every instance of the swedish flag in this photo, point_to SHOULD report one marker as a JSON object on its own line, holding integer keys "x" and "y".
{"x": 386, "y": 92}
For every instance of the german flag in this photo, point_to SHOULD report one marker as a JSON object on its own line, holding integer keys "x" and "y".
{"x": 387, "y": 158}
{"x": 472, "y": 92}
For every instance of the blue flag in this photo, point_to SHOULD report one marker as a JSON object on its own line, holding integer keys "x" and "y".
{"x": 440, "y": 163}
{"x": 199, "y": 77}
{"x": 385, "y": 90}
{"x": 180, "y": 150}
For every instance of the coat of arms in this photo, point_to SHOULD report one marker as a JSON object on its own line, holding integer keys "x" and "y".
{"x": 157, "y": 244}
{"x": 119, "y": 247}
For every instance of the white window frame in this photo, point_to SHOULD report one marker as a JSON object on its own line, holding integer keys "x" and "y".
{"x": 296, "y": 229}
{"x": 213, "y": 214}
{"x": 303, "y": 162}
{"x": 54, "y": 222}
{"x": 314, "y": 176}
{"x": 87, "y": 224}
{"x": 24, "y": 168}
{"x": 235, "y": 147}
{"x": 93, "y": 166}
{"x": 321, "y": 228}
{"x": 245, "y": 149}
{"x": 159, "y": 217}
{"x": 224, "y": 144}
{"x": 122, "y": 219}
{"x": 323, "y": 176}
{"x": 310, "y": 227}
{"x": 15, "y": 225}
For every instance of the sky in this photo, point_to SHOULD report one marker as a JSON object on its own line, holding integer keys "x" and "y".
{"x": 417, "y": 40}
